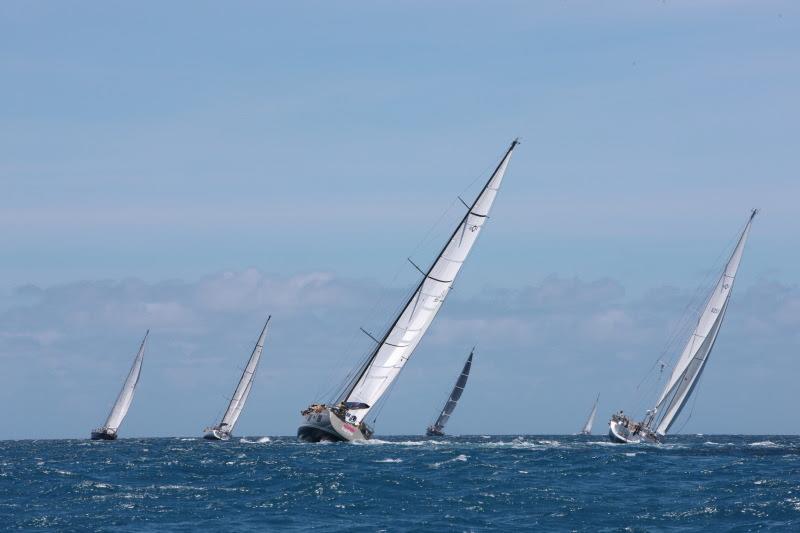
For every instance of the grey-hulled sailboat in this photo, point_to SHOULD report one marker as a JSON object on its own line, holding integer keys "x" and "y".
{"x": 223, "y": 430}
{"x": 690, "y": 365}
{"x": 109, "y": 430}
{"x": 437, "y": 428}
{"x": 587, "y": 427}
{"x": 343, "y": 419}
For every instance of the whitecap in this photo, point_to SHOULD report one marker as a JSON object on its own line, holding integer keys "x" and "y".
{"x": 764, "y": 444}
{"x": 389, "y": 460}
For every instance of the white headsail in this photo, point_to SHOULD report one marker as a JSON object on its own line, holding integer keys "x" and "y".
{"x": 125, "y": 397}
{"x": 695, "y": 355}
{"x": 398, "y": 343}
{"x": 242, "y": 391}
{"x": 587, "y": 428}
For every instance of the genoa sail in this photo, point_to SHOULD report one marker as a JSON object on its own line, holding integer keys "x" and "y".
{"x": 242, "y": 391}
{"x": 587, "y": 427}
{"x": 695, "y": 354}
{"x": 455, "y": 395}
{"x": 396, "y": 346}
{"x": 125, "y": 397}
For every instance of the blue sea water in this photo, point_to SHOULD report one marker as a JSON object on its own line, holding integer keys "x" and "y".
{"x": 479, "y": 483}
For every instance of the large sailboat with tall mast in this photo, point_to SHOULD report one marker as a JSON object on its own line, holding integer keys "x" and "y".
{"x": 587, "y": 427}
{"x": 437, "y": 428}
{"x": 343, "y": 419}
{"x": 686, "y": 373}
{"x": 223, "y": 430}
{"x": 120, "y": 408}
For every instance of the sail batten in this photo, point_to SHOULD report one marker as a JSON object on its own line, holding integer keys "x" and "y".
{"x": 402, "y": 337}
{"x": 125, "y": 396}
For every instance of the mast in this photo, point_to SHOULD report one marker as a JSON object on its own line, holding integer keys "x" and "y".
{"x": 242, "y": 391}
{"x": 397, "y": 344}
{"x": 455, "y": 395}
{"x": 125, "y": 396}
{"x": 587, "y": 428}
{"x": 695, "y": 355}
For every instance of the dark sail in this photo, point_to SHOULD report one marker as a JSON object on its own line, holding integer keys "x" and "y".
{"x": 452, "y": 401}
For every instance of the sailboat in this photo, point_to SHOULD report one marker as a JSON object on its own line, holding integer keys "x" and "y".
{"x": 587, "y": 427}
{"x": 690, "y": 365}
{"x": 223, "y": 430}
{"x": 109, "y": 430}
{"x": 343, "y": 419}
{"x": 437, "y": 428}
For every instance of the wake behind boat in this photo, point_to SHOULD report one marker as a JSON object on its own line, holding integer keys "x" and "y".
{"x": 343, "y": 419}
{"x": 687, "y": 371}
{"x": 109, "y": 430}
{"x": 223, "y": 430}
{"x": 437, "y": 428}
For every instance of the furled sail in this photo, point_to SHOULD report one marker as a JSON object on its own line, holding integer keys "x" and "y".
{"x": 125, "y": 397}
{"x": 458, "y": 389}
{"x": 695, "y": 355}
{"x": 587, "y": 428}
{"x": 242, "y": 391}
{"x": 398, "y": 343}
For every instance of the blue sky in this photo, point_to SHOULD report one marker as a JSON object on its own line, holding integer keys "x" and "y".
{"x": 193, "y": 167}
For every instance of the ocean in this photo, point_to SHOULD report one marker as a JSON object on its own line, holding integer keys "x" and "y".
{"x": 477, "y": 483}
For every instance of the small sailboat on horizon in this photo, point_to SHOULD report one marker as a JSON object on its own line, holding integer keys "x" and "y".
{"x": 120, "y": 408}
{"x": 690, "y": 365}
{"x": 587, "y": 427}
{"x": 223, "y": 430}
{"x": 343, "y": 419}
{"x": 437, "y": 428}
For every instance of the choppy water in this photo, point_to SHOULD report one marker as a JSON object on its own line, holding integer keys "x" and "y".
{"x": 403, "y": 483}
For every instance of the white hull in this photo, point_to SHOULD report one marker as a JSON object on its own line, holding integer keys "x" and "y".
{"x": 620, "y": 434}
{"x": 216, "y": 434}
{"x": 325, "y": 426}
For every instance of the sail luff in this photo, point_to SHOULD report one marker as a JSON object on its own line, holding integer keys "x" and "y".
{"x": 125, "y": 396}
{"x": 698, "y": 348}
{"x": 242, "y": 390}
{"x": 455, "y": 394}
{"x": 399, "y": 341}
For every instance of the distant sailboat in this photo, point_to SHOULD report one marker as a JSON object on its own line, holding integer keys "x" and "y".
{"x": 343, "y": 418}
{"x": 123, "y": 403}
{"x": 689, "y": 367}
{"x": 437, "y": 428}
{"x": 223, "y": 430}
{"x": 587, "y": 427}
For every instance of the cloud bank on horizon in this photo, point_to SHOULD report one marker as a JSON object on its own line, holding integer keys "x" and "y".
{"x": 543, "y": 352}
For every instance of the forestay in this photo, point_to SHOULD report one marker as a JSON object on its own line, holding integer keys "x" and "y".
{"x": 242, "y": 391}
{"x": 125, "y": 397}
{"x": 399, "y": 342}
{"x": 695, "y": 355}
{"x": 458, "y": 389}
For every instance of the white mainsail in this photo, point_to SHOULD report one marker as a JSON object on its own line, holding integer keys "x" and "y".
{"x": 242, "y": 391}
{"x": 399, "y": 342}
{"x": 125, "y": 397}
{"x": 695, "y": 355}
{"x": 587, "y": 428}
{"x": 455, "y": 395}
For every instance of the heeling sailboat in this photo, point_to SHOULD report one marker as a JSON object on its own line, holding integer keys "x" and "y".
{"x": 689, "y": 367}
{"x": 437, "y": 428}
{"x": 223, "y": 430}
{"x": 587, "y": 427}
{"x": 343, "y": 418}
{"x": 109, "y": 430}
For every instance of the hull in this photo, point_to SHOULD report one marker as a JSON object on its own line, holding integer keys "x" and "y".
{"x": 433, "y": 432}
{"x": 325, "y": 426}
{"x": 621, "y": 434}
{"x": 103, "y": 434}
{"x": 216, "y": 434}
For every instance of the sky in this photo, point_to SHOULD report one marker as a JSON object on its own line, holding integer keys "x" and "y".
{"x": 193, "y": 167}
